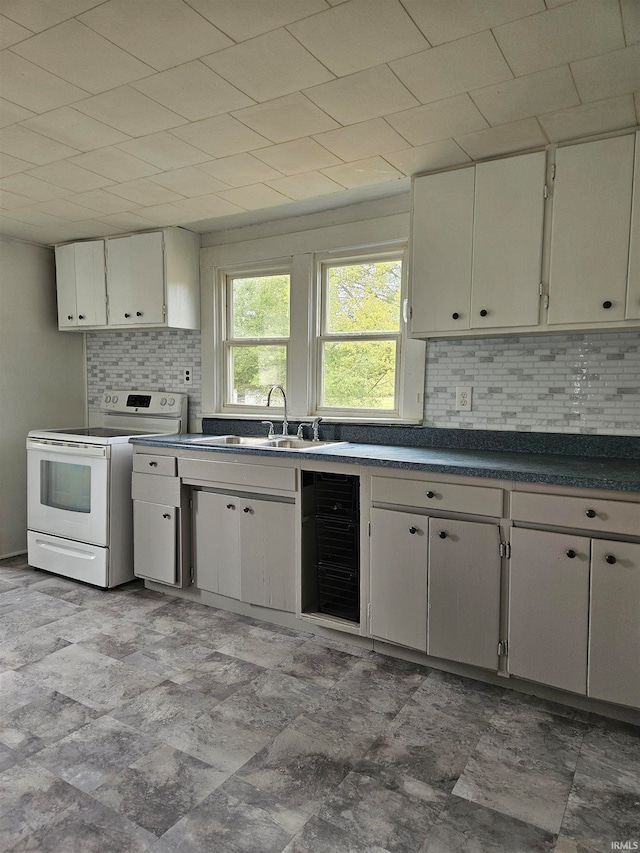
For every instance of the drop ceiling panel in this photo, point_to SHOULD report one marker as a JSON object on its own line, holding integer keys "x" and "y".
{"x": 33, "y": 188}
{"x": 190, "y": 182}
{"x": 115, "y": 164}
{"x": 164, "y": 151}
{"x": 427, "y": 158}
{"x": 220, "y": 136}
{"x": 12, "y": 165}
{"x": 440, "y": 120}
{"x": 241, "y": 21}
{"x": 443, "y": 21}
{"x": 599, "y": 117}
{"x": 373, "y": 170}
{"x": 545, "y": 91}
{"x": 32, "y": 87}
{"x": 12, "y": 113}
{"x": 286, "y": 118}
{"x": 144, "y": 192}
{"x": 102, "y": 201}
{"x": 616, "y": 73}
{"x": 306, "y": 185}
{"x": 505, "y": 139}
{"x": 130, "y": 112}
{"x": 240, "y": 170}
{"x": 70, "y": 177}
{"x": 254, "y": 196}
{"x": 39, "y": 15}
{"x": 301, "y": 155}
{"x": 73, "y": 128}
{"x": 362, "y": 140}
{"x": 10, "y": 32}
{"x": 36, "y": 149}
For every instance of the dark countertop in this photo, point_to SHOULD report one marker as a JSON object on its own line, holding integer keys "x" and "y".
{"x": 622, "y": 474}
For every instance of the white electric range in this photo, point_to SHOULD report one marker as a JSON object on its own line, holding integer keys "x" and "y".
{"x": 79, "y": 504}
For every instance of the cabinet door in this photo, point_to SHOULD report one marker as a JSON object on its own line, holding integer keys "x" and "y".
{"x": 464, "y": 592}
{"x": 548, "y": 608}
{"x": 268, "y": 553}
{"x": 155, "y": 541}
{"x": 633, "y": 285}
{"x": 398, "y": 544}
{"x": 216, "y": 543}
{"x": 614, "y": 635}
{"x": 507, "y": 242}
{"x": 441, "y": 249}
{"x": 135, "y": 280}
{"x": 80, "y": 283}
{"x": 590, "y": 231}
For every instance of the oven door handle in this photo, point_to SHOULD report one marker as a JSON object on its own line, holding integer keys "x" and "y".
{"x": 68, "y": 447}
{"x": 77, "y": 553}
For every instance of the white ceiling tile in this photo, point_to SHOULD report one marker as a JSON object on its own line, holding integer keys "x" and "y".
{"x": 114, "y": 164}
{"x": 160, "y": 214}
{"x": 240, "y": 170}
{"x": 301, "y": 155}
{"x": 428, "y": 158}
{"x": 437, "y": 121}
{"x": 561, "y": 35}
{"x": 12, "y": 165}
{"x": 551, "y": 4}
{"x": 39, "y": 15}
{"x": 504, "y": 139}
{"x": 221, "y": 136}
{"x": 373, "y": 170}
{"x": 22, "y": 231}
{"x": 33, "y": 188}
{"x": 162, "y": 33}
{"x": 97, "y": 228}
{"x": 446, "y": 20}
{"x": 616, "y": 73}
{"x": 362, "y": 96}
{"x": 358, "y": 141}
{"x": 164, "y": 151}
{"x": 598, "y": 117}
{"x": 359, "y": 35}
{"x": 144, "y": 192}
{"x": 254, "y": 197}
{"x": 82, "y": 57}
{"x": 269, "y": 66}
{"x": 450, "y": 69}
{"x": 193, "y": 91}
{"x": 286, "y": 118}
{"x": 70, "y": 176}
{"x": 73, "y": 128}
{"x": 306, "y": 185}
{"x": 103, "y": 202}
{"x": 20, "y": 142}
{"x": 34, "y": 217}
{"x": 65, "y": 209}
{"x": 11, "y": 33}
{"x": 129, "y": 111}
{"x": 190, "y": 182}
{"x": 631, "y": 20}
{"x": 544, "y": 91}
{"x": 208, "y": 206}
{"x": 34, "y": 88}
{"x": 10, "y": 201}
{"x": 241, "y": 21}
{"x": 12, "y": 113}
{"x": 127, "y": 221}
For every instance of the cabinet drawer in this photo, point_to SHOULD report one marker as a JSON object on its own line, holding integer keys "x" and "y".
{"x": 585, "y": 513}
{"x": 239, "y": 474}
{"x": 480, "y": 500}
{"x": 155, "y": 489}
{"x": 145, "y": 463}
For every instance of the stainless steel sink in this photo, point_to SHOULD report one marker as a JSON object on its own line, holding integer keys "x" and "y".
{"x": 246, "y": 440}
{"x": 261, "y": 441}
{"x": 285, "y": 443}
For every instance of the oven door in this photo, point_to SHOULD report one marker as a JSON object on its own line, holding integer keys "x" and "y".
{"x": 68, "y": 489}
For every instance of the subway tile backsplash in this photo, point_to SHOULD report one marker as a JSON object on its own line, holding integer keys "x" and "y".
{"x": 579, "y": 383}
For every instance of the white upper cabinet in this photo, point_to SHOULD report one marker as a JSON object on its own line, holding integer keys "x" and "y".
{"x": 477, "y": 246}
{"x": 152, "y": 281}
{"x": 81, "y": 285}
{"x": 590, "y": 232}
{"x": 633, "y": 289}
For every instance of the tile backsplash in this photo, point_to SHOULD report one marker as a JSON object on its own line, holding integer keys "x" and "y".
{"x": 578, "y": 383}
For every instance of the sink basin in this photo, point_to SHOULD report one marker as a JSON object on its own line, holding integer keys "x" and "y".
{"x": 261, "y": 441}
{"x": 229, "y": 439}
{"x": 297, "y": 444}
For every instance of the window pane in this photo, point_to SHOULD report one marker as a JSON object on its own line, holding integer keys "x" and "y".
{"x": 360, "y": 374}
{"x": 364, "y": 297}
{"x": 254, "y": 370}
{"x": 260, "y": 307}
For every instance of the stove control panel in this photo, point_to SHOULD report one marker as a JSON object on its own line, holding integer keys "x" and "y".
{"x": 166, "y": 403}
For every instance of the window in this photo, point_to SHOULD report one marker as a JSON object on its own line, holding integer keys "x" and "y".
{"x": 257, "y": 336}
{"x": 359, "y": 345}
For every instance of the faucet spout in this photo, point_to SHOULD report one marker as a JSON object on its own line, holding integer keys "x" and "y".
{"x": 285, "y": 422}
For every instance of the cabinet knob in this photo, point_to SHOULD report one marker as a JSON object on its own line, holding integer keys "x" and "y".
{"x": 431, "y": 494}
{"x": 247, "y": 509}
{"x": 571, "y": 553}
{"x": 153, "y": 464}
{"x": 591, "y": 513}
{"x": 442, "y": 534}
{"x": 413, "y": 530}
{"x": 484, "y": 312}
{"x": 607, "y": 304}
{"x": 455, "y": 316}
{"x": 138, "y": 313}
{"x": 127, "y": 315}
{"x": 166, "y": 515}
{"x": 610, "y": 559}
{"x": 231, "y": 506}
{"x": 69, "y": 316}
{"x": 80, "y": 316}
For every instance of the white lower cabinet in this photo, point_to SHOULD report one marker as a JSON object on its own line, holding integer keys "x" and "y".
{"x": 244, "y": 548}
{"x": 156, "y": 540}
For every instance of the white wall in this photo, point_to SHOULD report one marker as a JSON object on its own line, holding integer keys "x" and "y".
{"x": 41, "y": 374}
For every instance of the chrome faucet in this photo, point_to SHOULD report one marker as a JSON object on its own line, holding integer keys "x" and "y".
{"x": 285, "y": 422}
{"x": 314, "y": 427}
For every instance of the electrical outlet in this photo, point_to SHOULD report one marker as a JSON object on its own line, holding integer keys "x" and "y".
{"x": 463, "y": 398}
{"x": 188, "y": 376}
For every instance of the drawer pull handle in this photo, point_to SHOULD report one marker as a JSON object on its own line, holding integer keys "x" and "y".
{"x": 138, "y": 313}
{"x": 69, "y": 316}
{"x": 166, "y": 515}
{"x": 413, "y": 530}
{"x": 591, "y": 513}
{"x": 247, "y": 509}
{"x": 153, "y": 464}
{"x": 610, "y": 559}
{"x": 431, "y": 494}
{"x": 127, "y": 315}
{"x": 606, "y": 305}
{"x": 80, "y": 316}
{"x": 571, "y": 553}
{"x": 442, "y": 534}
{"x": 231, "y": 506}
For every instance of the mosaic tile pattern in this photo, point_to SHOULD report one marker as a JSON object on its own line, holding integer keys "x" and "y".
{"x": 152, "y": 360}
{"x": 580, "y": 383}
{"x": 134, "y": 721}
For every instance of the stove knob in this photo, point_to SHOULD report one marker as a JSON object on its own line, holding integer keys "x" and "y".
{"x": 114, "y": 399}
{"x": 163, "y": 402}
{"x": 172, "y": 401}
{"x": 107, "y": 398}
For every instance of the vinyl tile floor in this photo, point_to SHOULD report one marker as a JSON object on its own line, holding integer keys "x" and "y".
{"x": 135, "y": 721}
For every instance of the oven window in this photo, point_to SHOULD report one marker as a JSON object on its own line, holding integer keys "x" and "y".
{"x": 65, "y": 485}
